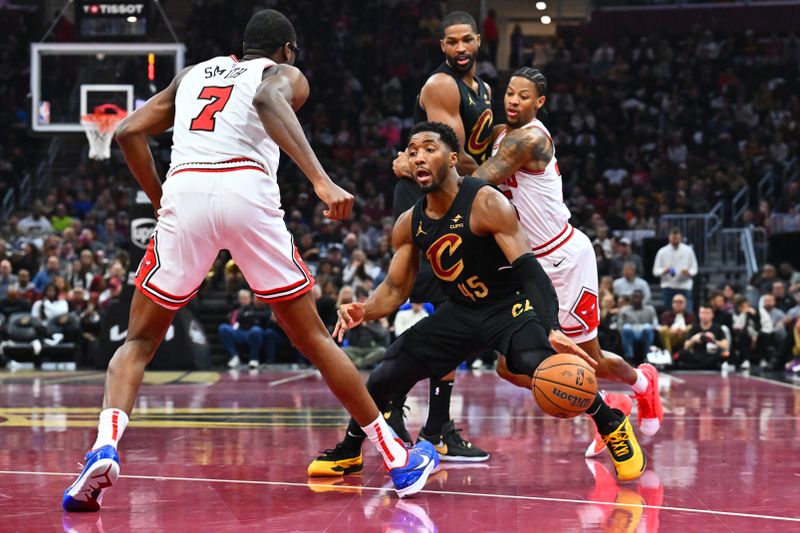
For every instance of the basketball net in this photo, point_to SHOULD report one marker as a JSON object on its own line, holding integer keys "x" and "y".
{"x": 99, "y": 127}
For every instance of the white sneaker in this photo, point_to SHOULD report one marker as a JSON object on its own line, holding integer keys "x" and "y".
{"x": 763, "y": 364}
{"x": 253, "y": 364}
{"x": 745, "y": 365}
{"x": 234, "y": 362}
{"x": 477, "y": 364}
{"x": 727, "y": 367}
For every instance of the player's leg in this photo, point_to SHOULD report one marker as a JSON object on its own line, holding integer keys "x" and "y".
{"x": 527, "y": 349}
{"x": 264, "y": 250}
{"x": 576, "y": 283}
{"x": 394, "y": 377}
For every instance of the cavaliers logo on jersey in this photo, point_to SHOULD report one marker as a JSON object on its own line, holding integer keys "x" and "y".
{"x": 481, "y": 135}
{"x": 441, "y": 253}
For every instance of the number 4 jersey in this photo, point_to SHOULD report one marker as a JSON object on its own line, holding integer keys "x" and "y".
{"x": 216, "y": 123}
{"x": 471, "y": 268}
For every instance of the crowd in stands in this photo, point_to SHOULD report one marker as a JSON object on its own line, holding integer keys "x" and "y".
{"x": 643, "y": 126}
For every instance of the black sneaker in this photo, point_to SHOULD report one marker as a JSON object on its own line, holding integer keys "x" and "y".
{"x": 395, "y": 418}
{"x": 336, "y": 462}
{"x": 452, "y": 447}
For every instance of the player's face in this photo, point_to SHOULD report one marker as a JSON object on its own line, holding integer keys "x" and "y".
{"x": 460, "y": 46}
{"x": 521, "y": 101}
{"x": 430, "y": 160}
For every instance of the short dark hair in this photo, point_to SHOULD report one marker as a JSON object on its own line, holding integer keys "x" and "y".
{"x": 675, "y": 231}
{"x": 459, "y": 17}
{"x": 446, "y": 133}
{"x": 267, "y": 31}
{"x": 535, "y": 76}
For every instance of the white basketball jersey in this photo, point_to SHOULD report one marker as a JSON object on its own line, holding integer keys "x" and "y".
{"x": 215, "y": 120}
{"x": 538, "y": 196}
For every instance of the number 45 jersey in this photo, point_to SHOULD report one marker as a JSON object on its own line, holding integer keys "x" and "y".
{"x": 215, "y": 120}
{"x": 471, "y": 269}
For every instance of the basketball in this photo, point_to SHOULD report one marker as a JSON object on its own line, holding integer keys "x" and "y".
{"x": 564, "y": 385}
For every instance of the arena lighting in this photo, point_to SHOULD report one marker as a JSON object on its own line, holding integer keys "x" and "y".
{"x": 131, "y": 19}
{"x": 151, "y": 66}
{"x": 541, "y": 6}
{"x": 546, "y": 19}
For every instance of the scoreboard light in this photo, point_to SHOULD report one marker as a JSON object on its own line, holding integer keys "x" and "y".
{"x": 151, "y": 66}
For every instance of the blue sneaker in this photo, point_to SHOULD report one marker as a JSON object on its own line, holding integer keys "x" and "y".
{"x": 100, "y": 472}
{"x": 411, "y": 478}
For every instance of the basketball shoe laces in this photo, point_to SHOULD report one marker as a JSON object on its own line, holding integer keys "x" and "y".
{"x": 619, "y": 444}
{"x": 457, "y": 438}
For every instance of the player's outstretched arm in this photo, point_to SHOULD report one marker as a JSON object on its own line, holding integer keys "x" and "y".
{"x": 441, "y": 100}
{"x": 283, "y": 91}
{"x": 394, "y": 290}
{"x": 153, "y": 118}
{"x": 493, "y": 214}
{"x": 517, "y": 149}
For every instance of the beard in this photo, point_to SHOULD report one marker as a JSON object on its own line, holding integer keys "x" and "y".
{"x": 451, "y": 60}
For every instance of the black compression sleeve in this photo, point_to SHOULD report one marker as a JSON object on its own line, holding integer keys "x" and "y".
{"x": 538, "y": 288}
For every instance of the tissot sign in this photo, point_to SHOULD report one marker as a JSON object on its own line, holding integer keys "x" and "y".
{"x": 100, "y": 9}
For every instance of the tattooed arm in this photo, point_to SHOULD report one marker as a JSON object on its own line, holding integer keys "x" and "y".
{"x": 529, "y": 148}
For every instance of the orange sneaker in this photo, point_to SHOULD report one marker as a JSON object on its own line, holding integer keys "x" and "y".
{"x": 651, "y": 412}
{"x": 615, "y": 400}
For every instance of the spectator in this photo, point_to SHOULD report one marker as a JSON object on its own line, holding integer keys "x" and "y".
{"x": 13, "y": 302}
{"x": 326, "y": 307}
{"x": 607, "y": 332}
{"x": 774, "y": 339}
{"x": 717, "y": 304}
{"x": 50, "y": 306}
{"x": 6, "y": 277}
{"x": 783, "y": 301}
{"x": 360, "y": 269}
{"x": 764, "y": 280}
{"x": 47, "y": 276}
{"x": 60, "y": 219}
{"x": 26, "y": 289}
{"x": 630, "y": 282}
{"x": 706, "y": 347}
{"x": 637, "y": 324}
{"x": 491, "y": 36}
{"x": 625, "y": 255}
{"x": 676, "y": 265}
{"x": 245, "y": 328}
{"x": 35, "y": 225}
{"x": 405, "y": 318}
{"x": 747, "y": 329}
{"x": 603, "y": 262}
{"x": 675, "y": 323}
{"x": 366, "y": 343}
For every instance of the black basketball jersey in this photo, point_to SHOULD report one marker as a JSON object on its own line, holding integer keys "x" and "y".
{"x": 471, "y": 269}
{"x": 476, "y": 115}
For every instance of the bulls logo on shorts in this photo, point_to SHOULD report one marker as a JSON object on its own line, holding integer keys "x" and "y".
{"x": 586, "y": 310}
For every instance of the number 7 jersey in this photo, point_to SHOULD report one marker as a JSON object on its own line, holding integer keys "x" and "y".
{"x": 216, "y": 123}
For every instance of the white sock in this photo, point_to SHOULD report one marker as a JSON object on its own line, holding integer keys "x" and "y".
{"x": 381, "y": 435}
{"x": 111, "y": 427}
{"x": 642, "y": 383}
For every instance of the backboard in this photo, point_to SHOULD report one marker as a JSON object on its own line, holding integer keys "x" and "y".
{"x": 70, "y": 79}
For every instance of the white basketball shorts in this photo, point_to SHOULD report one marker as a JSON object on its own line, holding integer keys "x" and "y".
{"x": 205, "y": 208}
{"x": 570, "y": 263}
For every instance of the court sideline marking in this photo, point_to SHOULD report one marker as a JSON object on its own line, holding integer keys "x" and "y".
{"x": 306, "y": 374}
{"x": 442, "y": 492}
{"x": 771, "y": 381}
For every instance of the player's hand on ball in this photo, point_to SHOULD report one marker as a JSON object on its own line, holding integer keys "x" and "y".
{"x": 338, "y": 200}
{"x": 400, "y": 166}
{"x": 563, "y": 344}
{"x": 350, "y": 316}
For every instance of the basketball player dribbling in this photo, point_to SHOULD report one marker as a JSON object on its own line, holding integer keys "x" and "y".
{"x": 231, "y": 118}
{"x": 525, "y": 168}
{"x": 454, "y": 95}
{"x": 498, "y": 297}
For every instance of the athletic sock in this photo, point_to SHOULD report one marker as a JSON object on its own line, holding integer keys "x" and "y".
{"x": 642, "y": 383}
{"x": 111, "y": 427}
{"x": 438, "y": 406}
{"x": 354, "y": 437}
{"x": 605, "y": 418}
{"x": 381, "y": 435}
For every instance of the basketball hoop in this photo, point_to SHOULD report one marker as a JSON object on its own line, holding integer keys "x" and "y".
{"x": 99, "y": 127}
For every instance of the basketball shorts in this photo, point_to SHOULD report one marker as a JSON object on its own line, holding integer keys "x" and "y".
{"x": 443, "y": 340}
{"x": 206, "y": 209}
{"x": 572, "y": 268}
